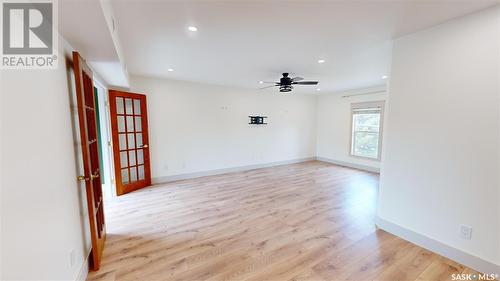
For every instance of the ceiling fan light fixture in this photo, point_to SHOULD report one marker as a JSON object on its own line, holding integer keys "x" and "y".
{"x": 286, "y": 88}
{"x": 193, "y": 28}
{"x": 170, "y": 69}
{"x": 321, "y": 61}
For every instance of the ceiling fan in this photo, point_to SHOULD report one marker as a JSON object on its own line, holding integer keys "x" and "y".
{"x": 286, "y": 83}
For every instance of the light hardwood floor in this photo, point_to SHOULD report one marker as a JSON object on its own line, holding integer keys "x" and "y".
{"x": 307, "y": 221}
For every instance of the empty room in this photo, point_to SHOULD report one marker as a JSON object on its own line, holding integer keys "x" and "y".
{"x": 250, "y": 140}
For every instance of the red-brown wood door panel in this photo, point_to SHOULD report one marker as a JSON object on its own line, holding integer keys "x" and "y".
{"x": 129, "y": 129}
{"x": 88, "y": 136}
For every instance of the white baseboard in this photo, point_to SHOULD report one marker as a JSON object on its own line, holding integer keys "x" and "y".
{"x": 350, "y": 165}
{"x": 440, "y": 248}
{"x": 84, "y": 270}
{"x": 227, "y": 170}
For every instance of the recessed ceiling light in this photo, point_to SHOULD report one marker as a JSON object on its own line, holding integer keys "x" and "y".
{"x": 261, "y": 82}
{"x": 193, "y": 28}
{"x": 170, "y": 69}
{"x": 321, "y": 61}
{"x": 385, "y": 77}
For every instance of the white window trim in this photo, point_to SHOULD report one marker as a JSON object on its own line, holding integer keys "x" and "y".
{"x": 363, "y": 105}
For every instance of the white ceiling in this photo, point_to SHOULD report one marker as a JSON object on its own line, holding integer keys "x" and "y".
{"x": 241, "y": 42}
{"x": 91, "y": 38}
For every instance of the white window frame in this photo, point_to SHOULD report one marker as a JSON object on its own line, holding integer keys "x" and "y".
{"x": 367, "y": 105}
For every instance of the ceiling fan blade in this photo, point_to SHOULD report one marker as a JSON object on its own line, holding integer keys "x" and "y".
{"x": 268, "y": 87}
{"x": 306, "y": 83}
{"x": 297, "y": 79}
{"x": 264, "y": 82}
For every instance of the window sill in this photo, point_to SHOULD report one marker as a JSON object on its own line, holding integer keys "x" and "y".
{"x": 365, "y": 158}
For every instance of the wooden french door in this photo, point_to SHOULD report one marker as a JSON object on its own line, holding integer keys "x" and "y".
{"x": 88, "y": 136}
{"x": 129, "y": 129}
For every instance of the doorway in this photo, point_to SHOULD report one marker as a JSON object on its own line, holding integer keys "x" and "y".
{"x": 105, "y": 140}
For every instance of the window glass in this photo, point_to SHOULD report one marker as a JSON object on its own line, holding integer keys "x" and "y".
{"x": 366, "y": 132}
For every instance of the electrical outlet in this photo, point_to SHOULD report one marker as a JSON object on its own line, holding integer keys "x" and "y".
{"x": 465, "y": 232}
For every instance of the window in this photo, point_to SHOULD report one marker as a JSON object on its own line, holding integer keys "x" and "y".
{"x": 366, "y": 138}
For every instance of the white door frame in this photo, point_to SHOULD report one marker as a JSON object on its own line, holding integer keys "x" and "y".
{"x": 105, "y": 125}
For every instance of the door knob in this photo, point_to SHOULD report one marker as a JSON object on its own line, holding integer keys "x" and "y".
{"x": 145, "y": 146}
{"x": 94, "y": 176}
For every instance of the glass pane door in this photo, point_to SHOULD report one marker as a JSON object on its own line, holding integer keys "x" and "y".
{"x": 129, "y": 129}
{"x": 130, "y": 139}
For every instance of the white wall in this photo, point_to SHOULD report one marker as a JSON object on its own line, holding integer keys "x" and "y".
{"x": 334, "y": 129}
{"x": 441, "y": 153}
{"x": 42, "y": 208}
{"x": 198, "y": 127}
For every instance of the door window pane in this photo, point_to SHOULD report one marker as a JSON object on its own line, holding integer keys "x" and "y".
{"x": 133, "y": 174}
{"x": 121, "y": 124}
{"x": 137, "y": 107}
{"x": 119, "y": 106}
{"x": 138, "y": 138}
{"x": 140, "y": 172}
{"x": 140, "y": 156}
{"x": 124, "y": 176}
{"x": 128, "y": 106}
{"x": 131, "y": 141}
{"x": 138, "y": 124}
{"x": 131, "y": 157}
{"x": 130, "y": 124}
{"x": 123, "y": 159}
{"x": 123, "y": 141}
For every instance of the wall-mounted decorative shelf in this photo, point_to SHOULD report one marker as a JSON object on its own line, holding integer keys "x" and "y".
{"x": 257, "y": 120}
